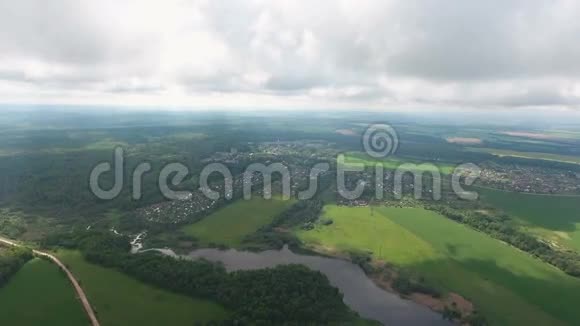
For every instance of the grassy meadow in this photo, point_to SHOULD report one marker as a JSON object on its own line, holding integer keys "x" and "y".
{"x": 508, "y": 286}
{"x": 529, "y": 155}
{"x": 121, "y": 300}
{"x": 231, "y": 224}
{"x": 556, "y": 218}
{"x": 365, "y": 229}
{"x": 40, "y": 294}
{"x": 392, "y": 163}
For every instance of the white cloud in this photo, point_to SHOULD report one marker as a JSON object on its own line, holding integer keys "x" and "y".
{"x": 347, "y": 53}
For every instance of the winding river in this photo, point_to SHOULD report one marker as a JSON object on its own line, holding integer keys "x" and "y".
{"x": 360, "y": 293}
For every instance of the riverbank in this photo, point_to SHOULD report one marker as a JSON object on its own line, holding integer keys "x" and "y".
{"x": 384, "y": 275}
{"x": 359, "y": 291}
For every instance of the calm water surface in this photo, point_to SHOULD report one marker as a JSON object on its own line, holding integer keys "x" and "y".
{"x": 361, "y": 294}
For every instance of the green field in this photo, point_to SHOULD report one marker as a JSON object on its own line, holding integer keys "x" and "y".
{"x": 120, "y": 300}
{"x": 529, "y": 155}
{"x": 556, "y": 218}
{"x": 365, "y": 229}
{"x": 508, "y": 286}
{"x": 392, "y": 163}
{"x": 40, "y": 294}
{"x": 229, "y": 225}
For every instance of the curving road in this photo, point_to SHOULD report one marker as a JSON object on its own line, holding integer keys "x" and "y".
{"x": 80, "y": 293}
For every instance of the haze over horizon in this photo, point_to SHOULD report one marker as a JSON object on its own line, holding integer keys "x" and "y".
{"x": 373, "y": 55}
{"x": 289, "y": 162}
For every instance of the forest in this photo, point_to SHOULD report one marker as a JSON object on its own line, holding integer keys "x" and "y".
{"x": 287, "y": 294}
{"x": 11, "y": 260}
{"x": 303, "y": 214}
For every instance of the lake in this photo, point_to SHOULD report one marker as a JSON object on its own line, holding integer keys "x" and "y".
{"x": 361, "y": 294}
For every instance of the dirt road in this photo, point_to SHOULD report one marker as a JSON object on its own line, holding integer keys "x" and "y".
{"x": 80, "y": 293}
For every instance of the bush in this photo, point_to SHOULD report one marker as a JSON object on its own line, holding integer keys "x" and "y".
{"x": 11, "y": 260}
{"x": 326, "y": 221}
{"x": 405, "y": 285}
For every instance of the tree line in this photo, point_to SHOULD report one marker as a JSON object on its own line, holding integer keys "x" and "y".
{"x": 302, "y": 213}
{"x": 11, "y": 260}
{"x": 567, "y": 261}
{"x": 289, "y": 294}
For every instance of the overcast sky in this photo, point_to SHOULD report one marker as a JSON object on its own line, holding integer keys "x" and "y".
{"x": 319, "y": 54}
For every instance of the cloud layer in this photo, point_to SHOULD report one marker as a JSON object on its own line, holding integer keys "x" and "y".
{"x": 374, "y": 54}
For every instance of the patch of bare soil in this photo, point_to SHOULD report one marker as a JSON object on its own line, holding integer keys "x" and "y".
{"x": 385, "y": 274}
{"x": 385, "y": 278}
{"x": 533, "y": 135}
{"x": 346, "y": 132}
{"x": 464, "y": 306}
{"x": 464, "y": 140}
{"x": 453, "y": 301}
{"x": 424, "y": 299}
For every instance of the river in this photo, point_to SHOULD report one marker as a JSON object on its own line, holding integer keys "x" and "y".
{"x": 361, "y": 294}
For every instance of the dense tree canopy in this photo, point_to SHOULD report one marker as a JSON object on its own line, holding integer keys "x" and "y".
{"x": 11, "y": 259}
{"x": 289, "y": 294}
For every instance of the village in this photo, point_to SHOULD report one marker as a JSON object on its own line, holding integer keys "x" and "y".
{"x": 530, "y": 179}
